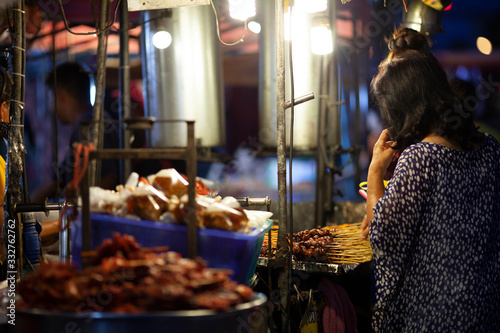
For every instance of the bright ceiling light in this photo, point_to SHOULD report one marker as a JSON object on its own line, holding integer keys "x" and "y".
{"x": 92, "y": 94}
{"x": 310, "y": 6}
{"x": 162, "y": 39}
{"x": 242, "y": 9}
{"x": 254, "y": 27}
{"x": 484, "y": 45}
{"x": 321, "y": 40}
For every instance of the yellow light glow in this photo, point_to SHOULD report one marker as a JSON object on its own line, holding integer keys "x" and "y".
{"x": 321, "y": 40}
{"x": 484, "y": 45}
{"x": 299, "y": 20}
{"x": 242, "y": 9}
{"x": 311, "y": 6}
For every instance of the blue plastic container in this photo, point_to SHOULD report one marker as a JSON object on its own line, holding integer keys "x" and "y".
{"x": 221, "y": 249}
{"x": 31, "y": 239}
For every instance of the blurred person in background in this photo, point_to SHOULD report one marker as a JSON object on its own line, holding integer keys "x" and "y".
{"x": 72, "y": 90}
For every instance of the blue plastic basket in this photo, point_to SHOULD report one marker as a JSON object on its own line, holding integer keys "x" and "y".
{"x": 221, "y": 249}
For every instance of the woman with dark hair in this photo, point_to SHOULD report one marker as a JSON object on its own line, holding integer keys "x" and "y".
{"x": 435, "y": 229}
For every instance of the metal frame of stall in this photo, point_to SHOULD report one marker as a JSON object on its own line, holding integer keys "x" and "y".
{"x": 284, "y": 249}
{"x": 15, "y": 194}
{"x": 188, "y": 154}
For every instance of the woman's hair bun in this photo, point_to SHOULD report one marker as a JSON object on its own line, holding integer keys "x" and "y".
{"x": 405, "y": 38}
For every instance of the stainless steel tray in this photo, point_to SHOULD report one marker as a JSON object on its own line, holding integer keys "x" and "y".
{"x": 314, "y": 267}
{"x": 246, "y": 317}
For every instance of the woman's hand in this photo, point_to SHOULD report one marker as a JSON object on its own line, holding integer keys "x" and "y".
{"x": 383, "y": 154}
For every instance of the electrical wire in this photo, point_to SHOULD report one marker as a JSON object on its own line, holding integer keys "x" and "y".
{"x": 118, "y": 29}
{"x": 218, "y": 28}
{"x": 97, "y": 31}
{"x": 240, "y": 40}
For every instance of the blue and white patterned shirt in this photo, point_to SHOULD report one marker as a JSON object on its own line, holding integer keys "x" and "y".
{"x": 436, "y": 241}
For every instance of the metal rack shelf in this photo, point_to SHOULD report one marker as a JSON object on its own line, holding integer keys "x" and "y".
{"x": 188, "y": 154}
{"x": 312, "y": 267}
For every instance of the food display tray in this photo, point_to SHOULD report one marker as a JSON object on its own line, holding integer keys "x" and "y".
{"x": 236, "y": 251}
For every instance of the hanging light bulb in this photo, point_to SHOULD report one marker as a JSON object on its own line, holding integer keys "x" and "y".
{"x": 242, "y": 9}
{"x": 254, "y": 27}
{"x": 310, "y": 6}
{"x": 162, "y": 39}
{"x": 321, "y": 36}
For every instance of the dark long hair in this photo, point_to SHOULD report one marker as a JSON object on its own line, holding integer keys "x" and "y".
{"x": 415, "y": 98}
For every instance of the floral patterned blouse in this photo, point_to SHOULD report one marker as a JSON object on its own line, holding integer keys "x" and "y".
{"x": 436, "y": 241}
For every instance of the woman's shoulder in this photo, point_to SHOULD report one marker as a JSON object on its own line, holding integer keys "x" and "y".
{"x": 416, "y": 158}
{"x": 427, "y": 152}
{"x": 419, "y": 151}
{"x": 488, "y": 151}
{"x": 490, "y": 142}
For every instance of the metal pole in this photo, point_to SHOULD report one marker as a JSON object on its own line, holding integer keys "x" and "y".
{"x": 191, "y": 173}
{"x": 124, "y": 87}
{"x": 283, "y": 250}
{"x": 100, "y": 84}
{"x": 328, "y": 129}
{"x": 281, "y": 129}
{"x": 85, "y": 215}
{"x": 64, "y": 251}
{"x": 357, "y": 111}
{"x": 55, "y": 146}
{"x": 248, "y": 202}
{"x": 299, "y": 100}
{"x": 333, "y": 121}
{"x": 14, "y": 168}
{"x": 321, "y": 144}
{"x": 281, "y": 122}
